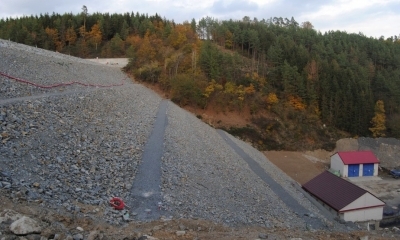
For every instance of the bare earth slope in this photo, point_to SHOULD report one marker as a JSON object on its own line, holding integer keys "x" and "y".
{"x": 65, "y": 151}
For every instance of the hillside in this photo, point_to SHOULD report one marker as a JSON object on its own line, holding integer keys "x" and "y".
{"x": 66, "y": 150}
{"x": 298, "y": 89}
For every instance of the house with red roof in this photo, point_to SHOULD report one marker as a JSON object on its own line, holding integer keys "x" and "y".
{"x": 355, "y": 164}
{"x": 344, "y": 199}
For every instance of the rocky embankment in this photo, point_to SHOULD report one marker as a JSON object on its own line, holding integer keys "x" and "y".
{"x": 66, "y": 150}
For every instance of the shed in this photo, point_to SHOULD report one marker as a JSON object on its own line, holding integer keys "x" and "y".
{"x": 355, "y": 164}
{"x": 344, "y": 199}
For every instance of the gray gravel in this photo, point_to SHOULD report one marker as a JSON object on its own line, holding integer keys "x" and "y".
{"x": 204, "y": 178}
{"x": 47, "y": 68}
{"x": 311, "y": 220}
{"x": 71, "y": 149}
{"x": 77, "y": 150}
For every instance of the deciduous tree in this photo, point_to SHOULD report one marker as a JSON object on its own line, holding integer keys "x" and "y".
{"x": 379, "y": 120}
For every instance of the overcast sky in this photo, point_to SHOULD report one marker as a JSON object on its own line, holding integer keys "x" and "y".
{"x": 371, "y": 17}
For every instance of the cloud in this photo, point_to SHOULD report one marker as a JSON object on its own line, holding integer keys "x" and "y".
{"x": 342, "y": 7}
{"x": 221, "y": 6}
{"x": 372, "y": 17}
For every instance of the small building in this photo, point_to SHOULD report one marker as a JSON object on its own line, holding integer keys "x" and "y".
{"x": 344, "y": 199}
{"x": 355, "y": 164}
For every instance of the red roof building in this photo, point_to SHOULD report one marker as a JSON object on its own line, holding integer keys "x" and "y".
{"x": 359, "y": 157}
{"x": 344, "y": 199}
{"x": 355, "y": 164}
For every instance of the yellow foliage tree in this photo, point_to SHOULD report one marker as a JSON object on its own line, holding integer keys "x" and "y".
{"x": 95, "y": 35}
{"x": 229, "y": 88}
{"x": 272, "y": 99}
{"x": 212, "y": 87}
{"x": 240, "y": 92}
{"x": 146, "y": 53}
{"x": 178, "y": 38}
{"x": 379, "y": 120}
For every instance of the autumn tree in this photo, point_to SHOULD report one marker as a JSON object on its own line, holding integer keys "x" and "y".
{"x": 178, "y": 36}
{"x": 145, "y": 53}
{"x": 211, "y": 89}
{"x": 55, "y": 39}
{"x": 271, "y": 99}
{"x": 379, "y": 120}
{"x": 296, "y": 102}
{"x": 70, "y": 36}
{"x": 94, "y": 36}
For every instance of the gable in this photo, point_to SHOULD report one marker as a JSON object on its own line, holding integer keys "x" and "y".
{"x": 358, "y": 157}
{"x": 365, "y": 201}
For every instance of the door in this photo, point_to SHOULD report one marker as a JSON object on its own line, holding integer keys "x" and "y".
{"x": 354, "y": 170}
{"x": 368, "y": 169}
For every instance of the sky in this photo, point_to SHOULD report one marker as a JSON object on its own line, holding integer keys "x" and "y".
{"x": 373, "y": 18}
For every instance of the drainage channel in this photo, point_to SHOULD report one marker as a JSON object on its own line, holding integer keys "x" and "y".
{"x": 292, "y": 203}
{"x": 146, "y": 199}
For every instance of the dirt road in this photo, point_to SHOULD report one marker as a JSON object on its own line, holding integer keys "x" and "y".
{"x": 300, "y": 166}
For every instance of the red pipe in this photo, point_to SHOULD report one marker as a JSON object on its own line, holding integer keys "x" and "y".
{"x": 61, "y": 84}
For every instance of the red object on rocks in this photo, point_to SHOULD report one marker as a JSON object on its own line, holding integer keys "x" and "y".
{"x": 117, "y": 203}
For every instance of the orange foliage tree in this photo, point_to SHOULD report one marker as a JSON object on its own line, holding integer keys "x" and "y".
{"x": 297, "y": 103}
{"x": 55, "y": 38}
{"x": 70, "y": 36}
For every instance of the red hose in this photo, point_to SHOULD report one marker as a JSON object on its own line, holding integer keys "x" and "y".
{"x": 117, "y": 203}
{"x": 60, "y": 84}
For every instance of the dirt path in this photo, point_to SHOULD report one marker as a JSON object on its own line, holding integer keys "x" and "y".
{"x": 112, "y": 62}
{"x": 301, "y": 167}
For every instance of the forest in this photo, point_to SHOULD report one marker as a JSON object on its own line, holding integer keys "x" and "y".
{"x": 303, "y": 88}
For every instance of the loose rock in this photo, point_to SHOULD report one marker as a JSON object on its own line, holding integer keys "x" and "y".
{"x": 25, "y": 225}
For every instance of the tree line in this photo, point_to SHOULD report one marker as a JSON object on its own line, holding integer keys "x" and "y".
{"x": 286, "y": 70}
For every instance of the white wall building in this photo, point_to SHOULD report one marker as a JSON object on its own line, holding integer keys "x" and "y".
{"x": 344, "y": 199}
{"x": 355, "y": 164}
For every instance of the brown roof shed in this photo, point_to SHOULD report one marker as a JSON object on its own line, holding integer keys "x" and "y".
{"x": 333, "y": 190}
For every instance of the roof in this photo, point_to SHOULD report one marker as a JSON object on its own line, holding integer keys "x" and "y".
{"x": 359, "y": 157}
{"x": 333, "y": 190}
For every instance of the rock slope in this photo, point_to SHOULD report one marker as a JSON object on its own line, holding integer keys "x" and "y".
{"x": 72, "y": 148}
